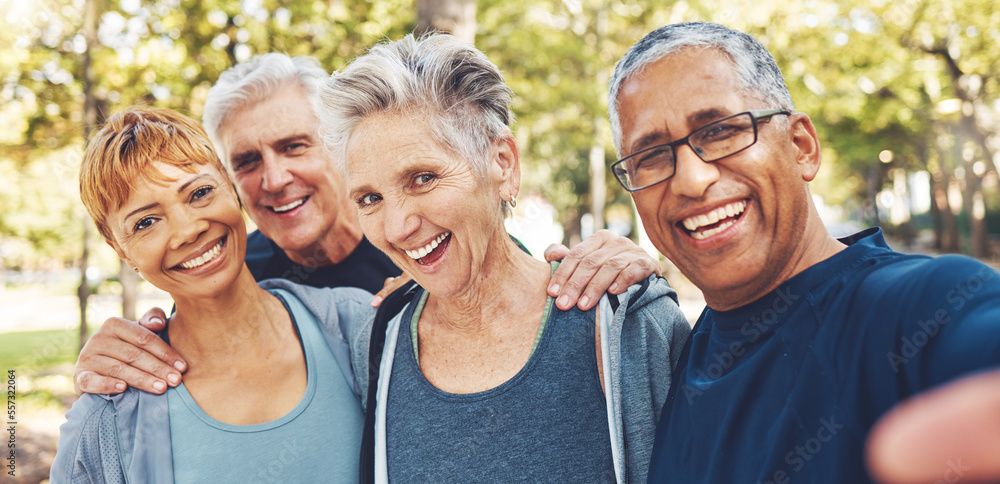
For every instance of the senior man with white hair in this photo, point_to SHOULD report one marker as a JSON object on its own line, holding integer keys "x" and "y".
{"x": 261, "y": 119}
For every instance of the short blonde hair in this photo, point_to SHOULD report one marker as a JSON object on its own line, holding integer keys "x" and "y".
{"x": 121, "y": 154}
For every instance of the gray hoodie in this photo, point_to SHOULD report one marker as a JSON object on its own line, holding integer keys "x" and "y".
{"x": 125, "y": 438}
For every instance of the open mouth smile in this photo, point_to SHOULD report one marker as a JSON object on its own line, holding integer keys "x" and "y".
{"x": 705, "y": 225}
{"x": 206, "y": 257}
{"x": 430, "y": 252}
{"x": 290, "y": 206}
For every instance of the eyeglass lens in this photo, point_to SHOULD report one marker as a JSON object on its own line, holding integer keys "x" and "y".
{"x": 710, "y": 142}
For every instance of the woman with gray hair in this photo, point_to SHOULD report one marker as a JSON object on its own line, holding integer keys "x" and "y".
{"x": 479, "y": 377}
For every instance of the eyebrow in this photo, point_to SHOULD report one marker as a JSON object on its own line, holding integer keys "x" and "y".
{"x": 157, "y": 204}
{"x": 239, "y": 158}
{"x": 292, "y": 138}
{"x": 245, "y": 155}
{"x": 141, "y": 209}
{"x": 189, "y": 182}
{"x": 698, "y": 118}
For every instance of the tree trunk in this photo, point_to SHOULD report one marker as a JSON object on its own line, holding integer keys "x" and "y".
{"x": 89, "y": 125}
{"x": 598, "y": 188}
{"x": 951, "y": 240}
{"x": 456, "y": 17}
{"x": 936, "y": 216}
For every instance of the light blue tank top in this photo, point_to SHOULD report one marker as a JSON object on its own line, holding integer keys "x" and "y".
{"x": 548, "y": 423}
{"x": 318, "y": 441}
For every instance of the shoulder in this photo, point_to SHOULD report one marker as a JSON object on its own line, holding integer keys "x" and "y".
{"x": 343, "y": 311}
{"x": 652, "y": 301}
{"x": 319, "y": 299}
{"x": 650, "y": 321}
{"x": 914, "y": 282}
{"x": 83, "y": 438}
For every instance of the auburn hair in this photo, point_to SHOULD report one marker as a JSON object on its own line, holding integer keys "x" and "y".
{"x": 121, "y": 154}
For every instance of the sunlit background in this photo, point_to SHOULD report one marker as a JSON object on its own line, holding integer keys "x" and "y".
{"x": 904, "y": 93}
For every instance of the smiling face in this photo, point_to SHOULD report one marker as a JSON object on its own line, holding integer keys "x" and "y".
{"x": 734, "y": 227}
{"x": 187, "y": 235}
{"x": 421, "y": 204}
{"x": 287, "y": 183}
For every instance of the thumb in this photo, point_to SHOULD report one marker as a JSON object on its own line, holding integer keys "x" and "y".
{"x": 154, "y": 320}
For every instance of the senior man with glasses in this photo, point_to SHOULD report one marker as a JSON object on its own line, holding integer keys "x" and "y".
{"x": 807, "y": 340}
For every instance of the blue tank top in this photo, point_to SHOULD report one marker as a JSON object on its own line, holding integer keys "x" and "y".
{"x": 318, "y": 441}
{"x": 548, "y": 423}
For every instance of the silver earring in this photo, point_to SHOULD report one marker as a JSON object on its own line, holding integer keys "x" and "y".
{"x": 135, "y": 269}
{"x": 513, "y": 202}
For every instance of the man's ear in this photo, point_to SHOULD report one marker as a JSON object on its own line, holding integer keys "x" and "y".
{"x": 806, "y": 142}
{"x": 507, "y": 158}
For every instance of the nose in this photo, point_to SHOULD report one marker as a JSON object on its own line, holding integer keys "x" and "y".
{"x": 186, "y": 227}
{"x": 692, "y": 176}
{"x": 275, "y": 174}
{"x": 400, "y": 222}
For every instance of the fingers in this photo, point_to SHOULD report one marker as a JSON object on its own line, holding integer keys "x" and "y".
{"x": 89, "y": 382}
{"x": 555, "y": 252}
{"x": 947, "y": 435}
{"x": 154, "y": 320}
{"x": 391, "y": 284}
{"x": 124, "y": 352}
{"x": 566, "y": 283}
{"x": 602, "y": 263}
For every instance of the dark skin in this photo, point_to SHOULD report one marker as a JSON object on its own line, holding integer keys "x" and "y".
{"x": 123, "y": 353}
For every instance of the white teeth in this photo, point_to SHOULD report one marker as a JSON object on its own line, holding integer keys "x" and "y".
{"x": 704, "y": 234}
{"x": 285, "y": 208}
{"x": 421, "y": 252}
{"x": 204, "y": 258}
{"x": 694, "y": 222}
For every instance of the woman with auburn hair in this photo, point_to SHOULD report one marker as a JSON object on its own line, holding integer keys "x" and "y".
{"x": 265, "y": 397}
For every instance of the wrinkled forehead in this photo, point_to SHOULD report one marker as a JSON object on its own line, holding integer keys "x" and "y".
{"x": 268, "y": 117}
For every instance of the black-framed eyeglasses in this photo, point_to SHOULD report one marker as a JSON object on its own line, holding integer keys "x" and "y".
{"x": 712, "y": 142}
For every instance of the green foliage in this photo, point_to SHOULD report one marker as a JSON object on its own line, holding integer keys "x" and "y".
{"x": 920, "y": 78}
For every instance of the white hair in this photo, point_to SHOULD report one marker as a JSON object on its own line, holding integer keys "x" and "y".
{"x": 461, "y": 94}
{"x": 252, "y": 81}
{"x": 450, "y": 84}
{"x": 756, "y": 70}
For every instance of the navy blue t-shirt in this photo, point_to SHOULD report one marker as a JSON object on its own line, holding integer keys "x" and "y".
{"x": 365, "y": 268}
{"x": 786, "y": 388}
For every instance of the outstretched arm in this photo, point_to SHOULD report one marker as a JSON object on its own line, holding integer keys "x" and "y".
{"x": 124, "y": 353}
{"x": 950, "y": 434}
{"x": 604, "y": 262}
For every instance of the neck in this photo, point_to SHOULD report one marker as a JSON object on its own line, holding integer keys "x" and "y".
{"x": 815, "y": 246}
{"x": 507, "y": 285}
{"x": 218, "y": 326}
{"x": 336, "y": 244}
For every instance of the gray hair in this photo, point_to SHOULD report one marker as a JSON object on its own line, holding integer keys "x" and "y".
{"x": 452, "y": 85}
{"x": 756, "y": 70}
{"x": 253, "y": 81}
